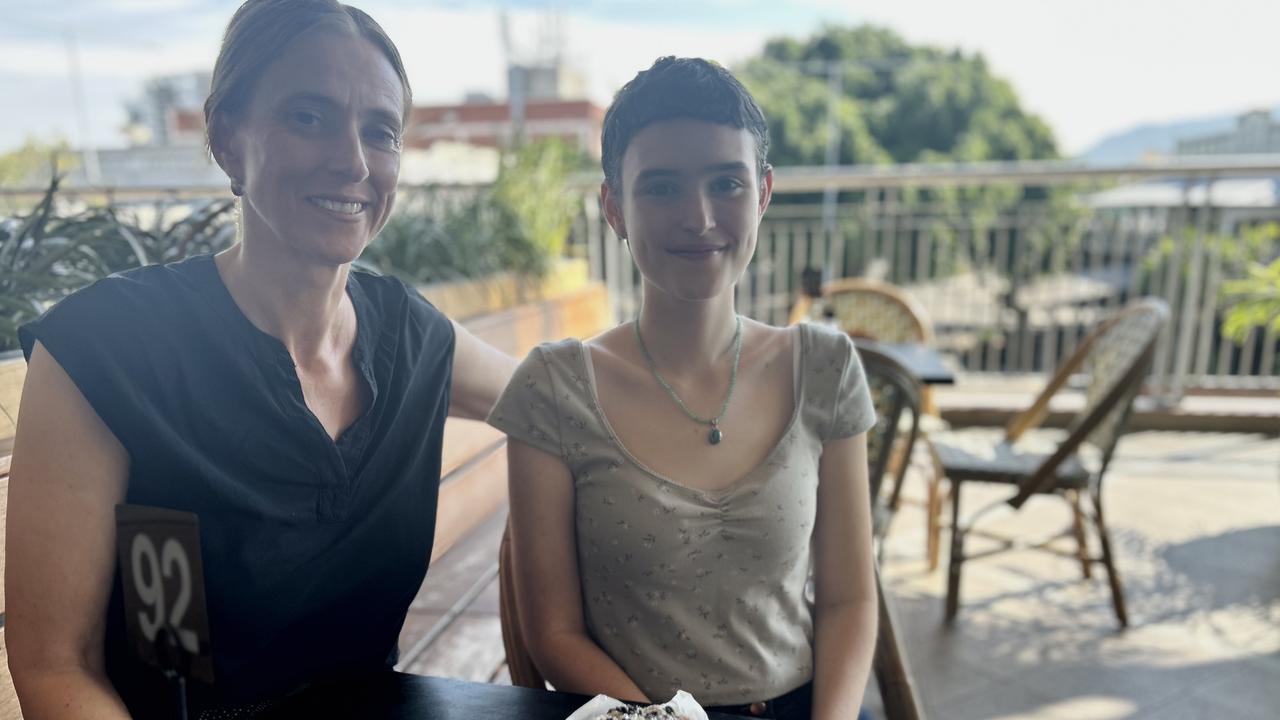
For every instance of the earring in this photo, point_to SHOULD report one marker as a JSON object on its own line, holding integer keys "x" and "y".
{"x": 236, "y": 188}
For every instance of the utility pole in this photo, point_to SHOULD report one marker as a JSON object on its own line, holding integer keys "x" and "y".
{"x": 830, "y": 196}
{"x": 517, "y": 81}
{"x": 92, "y": 171}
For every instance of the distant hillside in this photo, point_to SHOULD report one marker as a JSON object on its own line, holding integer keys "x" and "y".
{"x": 1156, "y": 139}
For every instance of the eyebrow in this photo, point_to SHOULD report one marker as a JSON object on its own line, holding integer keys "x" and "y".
{"x": 735, "y": 166}
{"x": 383, "y": 115}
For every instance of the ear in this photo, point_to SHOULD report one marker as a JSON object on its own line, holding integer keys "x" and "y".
{"x": 223, "y": 148}
{"x": 613, "y": 210}
{"x": 766, "y": 189}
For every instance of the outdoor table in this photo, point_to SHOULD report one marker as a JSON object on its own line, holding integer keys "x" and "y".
{"x": 399, "y": 696}
{"x": 922, "y": 361}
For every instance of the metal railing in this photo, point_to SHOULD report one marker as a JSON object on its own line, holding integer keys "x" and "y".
{"x": 1015, "y": 262}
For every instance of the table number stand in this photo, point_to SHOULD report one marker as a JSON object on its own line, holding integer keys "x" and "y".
{"x": 164, "y": 599}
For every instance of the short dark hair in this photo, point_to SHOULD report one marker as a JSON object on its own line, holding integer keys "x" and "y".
{"x": 679, "y": 88}
{"x": 261, "y": 30}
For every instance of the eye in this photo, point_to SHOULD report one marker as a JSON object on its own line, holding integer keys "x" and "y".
{"x": 661, "y": 189}
{"x": 385, "y": 137}
{"x": 306, "y": 118}
{"x": 727, "y": 185}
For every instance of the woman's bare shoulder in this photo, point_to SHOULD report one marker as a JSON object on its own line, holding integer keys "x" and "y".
{"x": 615, "y": 343}
{"x": 769, "y": 342}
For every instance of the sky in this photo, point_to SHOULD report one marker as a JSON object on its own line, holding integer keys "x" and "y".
{"x": 1090, "y": 68}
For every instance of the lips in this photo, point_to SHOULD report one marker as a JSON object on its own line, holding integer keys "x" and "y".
{"x": 698, "y": 251}
{"x": 339, "y": 205}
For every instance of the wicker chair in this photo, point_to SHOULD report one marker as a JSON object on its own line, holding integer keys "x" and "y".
{"x": 870, "y": 309}
{"x": 881, "y": 311}
{"x": 1116, "y": 357}
{"x": 893, "y": 391}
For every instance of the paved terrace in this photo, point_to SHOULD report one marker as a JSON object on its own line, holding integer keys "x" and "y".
{"x": 1195, "y": 518}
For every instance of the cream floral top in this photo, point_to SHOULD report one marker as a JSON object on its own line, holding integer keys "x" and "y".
{"x": 683, "y": 588}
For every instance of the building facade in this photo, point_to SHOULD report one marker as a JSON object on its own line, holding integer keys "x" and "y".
{"x": 1256, "y": 132}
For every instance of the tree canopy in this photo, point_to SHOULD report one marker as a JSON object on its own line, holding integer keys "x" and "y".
{"x": 898, "y": 102}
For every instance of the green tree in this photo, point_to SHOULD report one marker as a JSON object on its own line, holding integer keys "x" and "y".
{"x": 796, "y": 106}
{"x": 899, "y": 102}
{"x": 904, "y": 103}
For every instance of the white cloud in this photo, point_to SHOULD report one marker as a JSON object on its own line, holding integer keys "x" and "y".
{"x": 612, "y": 53}
{"x": 51, "y": 60}
{"x": 150, "y": 6}
{"x": 448, "y": 52}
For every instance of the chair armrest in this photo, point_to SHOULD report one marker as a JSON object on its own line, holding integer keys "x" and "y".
{"x": 1031, "y": 418}
{"x": 1044, "y": 476}
{"x": 893, "y": 675}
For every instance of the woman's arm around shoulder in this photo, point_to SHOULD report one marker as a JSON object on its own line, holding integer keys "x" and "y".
{"x": 67, "y": 476}
{"x": 480, "y": 372}
{"x": 548, "y": 588}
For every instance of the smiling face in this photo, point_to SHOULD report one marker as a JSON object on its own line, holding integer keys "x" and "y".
{"x": 689, "y": 204}
{"x": 317, "y": 148}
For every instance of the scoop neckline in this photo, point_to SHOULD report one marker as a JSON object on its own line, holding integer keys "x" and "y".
{"x": 720, "y": 496}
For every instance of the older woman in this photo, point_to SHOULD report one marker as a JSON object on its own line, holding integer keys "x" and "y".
{"x": 296, "y": 406}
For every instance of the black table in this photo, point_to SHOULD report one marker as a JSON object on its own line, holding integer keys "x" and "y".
{"x": 921, "y": 360}
{"x": 398, "y": 696}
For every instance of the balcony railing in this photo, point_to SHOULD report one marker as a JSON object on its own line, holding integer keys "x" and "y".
{"x": 1014, "y": 262}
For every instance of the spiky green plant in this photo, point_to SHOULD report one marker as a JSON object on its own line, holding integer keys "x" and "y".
{"x": 45, "y": 257}
{"x": 50, "y": 253}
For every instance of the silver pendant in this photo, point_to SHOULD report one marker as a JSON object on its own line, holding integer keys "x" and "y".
{"x": 715, "y": 436}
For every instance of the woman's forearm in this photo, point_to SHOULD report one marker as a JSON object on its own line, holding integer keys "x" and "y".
{"x": 73, "y": 694}
{"x": 845, "y": 642}
{"x": 572, "y": 662}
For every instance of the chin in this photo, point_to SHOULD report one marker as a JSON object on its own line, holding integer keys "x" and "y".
{"x": 698, "y": 293}
{"x": 335, "y": 251}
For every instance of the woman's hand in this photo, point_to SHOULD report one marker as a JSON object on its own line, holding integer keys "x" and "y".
{"x": 68, "y": 474}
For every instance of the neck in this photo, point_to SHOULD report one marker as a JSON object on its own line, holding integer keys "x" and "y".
{"x": 688, "y": 337}
{"x": 305, "y": 306}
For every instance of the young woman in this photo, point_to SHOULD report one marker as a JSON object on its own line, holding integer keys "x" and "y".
{"x": 296, "y": 406}
{"x": 676, "y": 481}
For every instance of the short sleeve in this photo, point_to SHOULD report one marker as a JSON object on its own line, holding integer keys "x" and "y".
{"x": 853, "y": 412}
{"x": 92, "y": 334}
{"x": 527, "y": 409}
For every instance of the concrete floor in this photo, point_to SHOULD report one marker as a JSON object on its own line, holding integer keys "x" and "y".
{"x": 1195, "y": 520}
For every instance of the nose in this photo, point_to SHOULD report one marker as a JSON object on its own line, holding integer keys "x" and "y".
{"x": 699, "y": 215}
{"x": 347, "y": 156}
